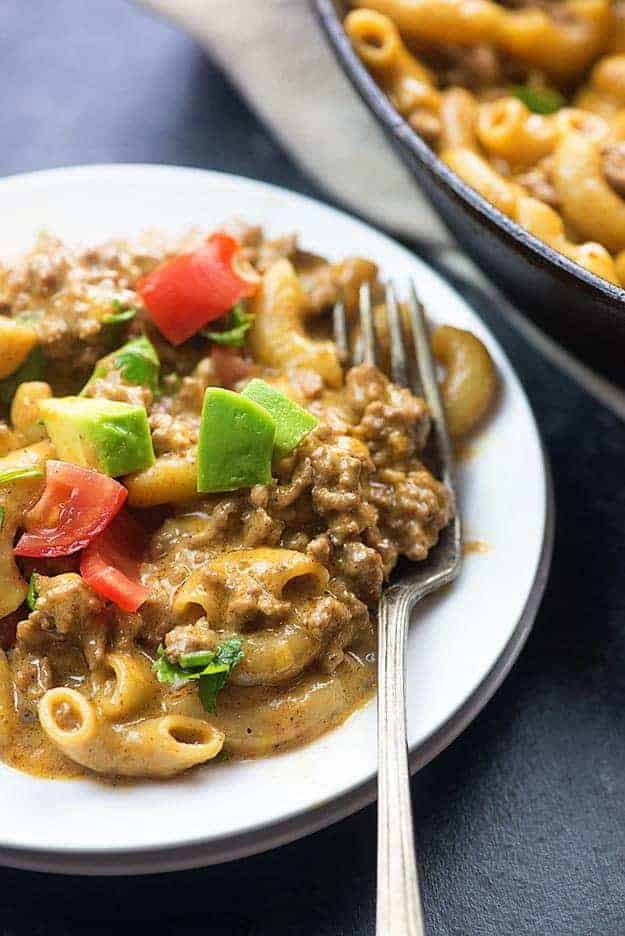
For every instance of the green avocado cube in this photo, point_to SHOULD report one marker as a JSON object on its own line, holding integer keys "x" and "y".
{"x": 110, "y": 437}
{"x": 235, "y": 443}
{"x": 292, "y": 421}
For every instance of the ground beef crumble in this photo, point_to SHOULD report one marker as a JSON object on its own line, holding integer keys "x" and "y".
{"x": 354, "y": 496}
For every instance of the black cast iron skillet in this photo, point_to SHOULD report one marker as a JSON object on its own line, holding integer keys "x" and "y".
{"x": 583, "y": 312}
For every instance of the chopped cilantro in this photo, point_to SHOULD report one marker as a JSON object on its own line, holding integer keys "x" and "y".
{"x": 16, "y": 474}
{"x": 138, "y": 362}
{"x": 215, "y": 675}
{"x": 539, "y": 100}
{"x": 32, "y": 594}
{"x": 121, "y": 313}
{"x": 196, "y": 660}
{"x": 211, "y": 667}
{"x": 31, "y": 369}
{"x": 169, "y": 673}
{"x": 236, "y": 326}
{"x": 1, "y": 517}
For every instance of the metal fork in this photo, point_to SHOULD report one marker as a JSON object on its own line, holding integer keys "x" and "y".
{"x": 399, "y": 910}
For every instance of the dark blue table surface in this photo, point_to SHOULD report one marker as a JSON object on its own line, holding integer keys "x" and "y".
{"x": 521, "y": 823}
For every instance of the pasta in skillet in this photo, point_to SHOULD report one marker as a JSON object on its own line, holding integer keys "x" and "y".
{"x": 525, "y": 101}
{"x": 199, "y": 504}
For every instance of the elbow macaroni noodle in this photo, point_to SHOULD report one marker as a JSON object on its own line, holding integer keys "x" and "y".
{"x": 470, "y": 382}
{"x": 581, "y": 186}
{"x": 132, "y": 687}
{"x": 551, "y": 172}
{"x": 563, "y": 47}
{"x": 7, "y": 709}
{"x": 270, "y": 655}
{"x": 171, "y": 479}
{"x": 156, "y": 747}
{"x": 278, "y": 336}
{"x": 16, "y": 498}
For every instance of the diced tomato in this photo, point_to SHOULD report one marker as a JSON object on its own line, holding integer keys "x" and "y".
{"x": 110, "y": 564}
{"x": 230, "y": 365}
{"x": 186, "y": 292}
{"x": 76, "y": 505}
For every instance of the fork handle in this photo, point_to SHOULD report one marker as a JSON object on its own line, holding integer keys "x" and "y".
{"x": 399, "y": 910}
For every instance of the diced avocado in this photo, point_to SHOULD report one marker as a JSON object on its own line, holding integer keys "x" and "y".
{"x": 292, "y": 421}
{"x": 110, "y": 437}
{"x": 235, "y": 444}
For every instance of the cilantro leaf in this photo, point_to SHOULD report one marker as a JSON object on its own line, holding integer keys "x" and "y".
{"x": 210, "y": 668}
{"x": 33, "y": 593}
{"x": 215, "y": 676}
{"x": 198, "y": 659}
{"x": 539, "y": 100}
{"x": 16, "y": 474}
{"x": 1, "y": 517}
{"x": 168, "y": 673}
{"x": 31, "y": 369}
{"x": 230, "y": 653}
{"x": 138, "y": 362}
{"x": 236, "y": 326}
{"x": 209, "y": 689}
{"x": 121, "y": 313}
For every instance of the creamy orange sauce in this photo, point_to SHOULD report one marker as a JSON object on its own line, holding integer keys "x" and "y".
{"x": 473, "y": 546}
{"x": 464, "y": 450}
{"x": 31, "y": 752}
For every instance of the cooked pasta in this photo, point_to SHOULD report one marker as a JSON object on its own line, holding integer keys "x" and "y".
{"x": 563, "y": 46}
{"x": 194, "y": 565}
{"x": 17, "y": 340}
{"x": 25, "y": 417}
{"x": 126, "y": 686}
{"x": 7, "y": 708}
{"x": 279, "y": 338}
{"x": 171, "y": 478}
{"x": 15, "y": 498}
{"x": 526, "y": 105}
{"x": 157, "y": 747}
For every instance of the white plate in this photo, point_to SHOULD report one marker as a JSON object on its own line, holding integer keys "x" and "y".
{"x": 462, "y": 642}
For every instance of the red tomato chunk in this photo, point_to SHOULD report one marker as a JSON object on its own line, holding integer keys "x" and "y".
{"x": 76, "y": 505}
{"x": 185, "y": 293}
{"x": 110, "y": 564}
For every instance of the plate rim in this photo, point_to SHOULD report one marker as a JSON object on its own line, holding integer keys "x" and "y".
{"x": 228, "y": 847}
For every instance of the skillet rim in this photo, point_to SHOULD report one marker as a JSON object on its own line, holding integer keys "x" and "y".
{"x": 534, "y": 250}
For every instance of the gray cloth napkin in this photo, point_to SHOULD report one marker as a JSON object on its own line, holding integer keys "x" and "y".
{"x": 275, "y": 54}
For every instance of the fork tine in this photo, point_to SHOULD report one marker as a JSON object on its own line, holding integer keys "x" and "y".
{"x": 339, "y": 325}
{"x": 366, "y": 351}
{"x": 427, "y": 370}
{"x": 399, "y": 366}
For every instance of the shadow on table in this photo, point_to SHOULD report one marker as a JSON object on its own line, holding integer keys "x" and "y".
{"x": 303, "y": 888}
